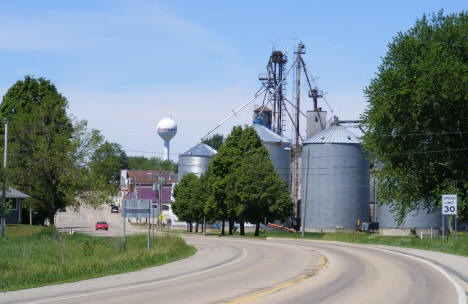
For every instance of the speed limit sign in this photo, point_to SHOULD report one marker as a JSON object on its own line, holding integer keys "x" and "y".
{"x": 449, "y": 204}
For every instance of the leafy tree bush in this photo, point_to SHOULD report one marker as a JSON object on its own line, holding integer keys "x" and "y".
{"x": 214, "y": 141}
{"x": 242, "y": 183}
{"x": 48, "y": 152}
{"x": 107, "y": 161}
{"x": 260, "y": 192}
{"x": 417, "y": 116}
{"x": 188, "y": 199}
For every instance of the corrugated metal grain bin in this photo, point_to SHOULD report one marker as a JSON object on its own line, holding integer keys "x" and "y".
{"x": 422, "y": 219}
{"x": 195, "y": 160}
{"x": 276, "y": 146}
{"x": 337, "y": 180}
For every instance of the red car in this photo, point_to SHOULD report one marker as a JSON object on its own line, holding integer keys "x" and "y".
{"x": 102, "y": 225}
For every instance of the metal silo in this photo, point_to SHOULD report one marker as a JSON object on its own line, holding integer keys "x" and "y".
{"x": 419, "y": 220}
{"x": 276, "y": 144}
{"x": 424, "y": 219}
{"x": 337, "y": 182}
{"x": 195, "y": 160}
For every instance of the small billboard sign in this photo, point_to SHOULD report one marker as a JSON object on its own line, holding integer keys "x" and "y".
{"x": 136, "y": 208}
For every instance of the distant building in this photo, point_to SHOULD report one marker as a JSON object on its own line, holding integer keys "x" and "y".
{"x": 13, "y": 212}
{"x": 133, "y": 180}
{"x": 144, "y": 184}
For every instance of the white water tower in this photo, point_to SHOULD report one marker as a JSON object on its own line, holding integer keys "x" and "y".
{"x": 167, "y": 129}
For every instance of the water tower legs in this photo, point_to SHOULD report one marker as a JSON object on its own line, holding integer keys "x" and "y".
{"x": 166, "y": 150}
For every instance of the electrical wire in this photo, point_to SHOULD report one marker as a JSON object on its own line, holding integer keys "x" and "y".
{"x": 420, "y": 134}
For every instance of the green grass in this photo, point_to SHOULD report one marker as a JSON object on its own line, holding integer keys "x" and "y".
{"x": 47, "y": 257}
{"x": 459, "y": 247}
{"x": 12, "y": 230}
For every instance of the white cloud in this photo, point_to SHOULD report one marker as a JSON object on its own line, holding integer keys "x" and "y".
{"x": 124, "y": 25}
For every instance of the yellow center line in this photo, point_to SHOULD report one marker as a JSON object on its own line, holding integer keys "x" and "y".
{"x": 252, "y": 297}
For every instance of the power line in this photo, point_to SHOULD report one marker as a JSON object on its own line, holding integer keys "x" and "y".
{"x": 287, "y": 100}
{"x": 316, "y": 157}
{"x": 418, "y": 134}
{"x": 330, "y": 156}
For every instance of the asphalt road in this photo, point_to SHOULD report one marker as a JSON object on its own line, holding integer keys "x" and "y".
{"x": 228, "y": 270}
{"x": 362, "y": 274}
{"x": 85, "y": 219}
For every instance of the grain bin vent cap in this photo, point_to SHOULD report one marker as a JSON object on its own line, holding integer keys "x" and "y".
{"x": 334, "y": 134}
{"x": 200, "y": 149}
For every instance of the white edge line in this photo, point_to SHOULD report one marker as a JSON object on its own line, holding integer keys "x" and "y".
{"x": 113, "y": 289}
{"x": 458, "y": 288}
{"x": 460, "y": 291}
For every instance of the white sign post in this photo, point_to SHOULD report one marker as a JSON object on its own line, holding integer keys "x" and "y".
{"x": 449, "y": 207}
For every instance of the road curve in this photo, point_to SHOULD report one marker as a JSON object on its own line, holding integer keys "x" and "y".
{"x": 363, "y": 274}
{"x": 226, "y": 270}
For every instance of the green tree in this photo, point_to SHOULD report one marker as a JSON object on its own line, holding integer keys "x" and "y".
{"x": 46, "y": 153}
{"x": 152, "y": 163}
{"x": 260, "y": 191}
{"x": 201, "y": 200}
{"x": 255, "y": 189}
{"x": 249, "y": 146}
{"x": 417, "y": 116}
{"x": 221, "y": 165}
{"x": 188, "y": 204}
{"x": 228, "y": 199}
{"x": 123, "y": 160}
{"x": 214, "y": 141}
{"x": 107, "y": 161}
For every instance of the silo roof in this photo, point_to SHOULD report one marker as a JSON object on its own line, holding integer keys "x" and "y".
{"x": 334, "y": 134}
{"x": 200, "y": 149}
{"x": 266, "y": 135}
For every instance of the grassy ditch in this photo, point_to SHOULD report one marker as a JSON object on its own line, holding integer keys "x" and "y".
{"x": 48, "y": 257}
{"x": 459, "y": 247}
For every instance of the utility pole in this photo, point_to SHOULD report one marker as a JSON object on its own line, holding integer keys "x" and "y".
{"x": 150, "y": 205}
{"x": 160, "y": 181}
{"x": 152, "y": 208}
{"x": 303, "y": 202}
{"x": 204, "y": 225}
{"x": 298, "y": 101}
{"x": 375, "y": 195}
{"x": 4, "y": 179}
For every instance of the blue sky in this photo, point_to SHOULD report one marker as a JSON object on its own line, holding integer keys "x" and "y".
{"x": 124, "y": 65}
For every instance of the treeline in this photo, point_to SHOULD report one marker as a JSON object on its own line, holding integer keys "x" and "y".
{"x": 152, "y": 163}
{"x": 240, "y": 185}
{"x": 110, "y": 158}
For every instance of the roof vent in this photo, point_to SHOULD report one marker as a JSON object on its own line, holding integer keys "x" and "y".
{"x": 322, "y": 138}
{"x": 349, "y": 137}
